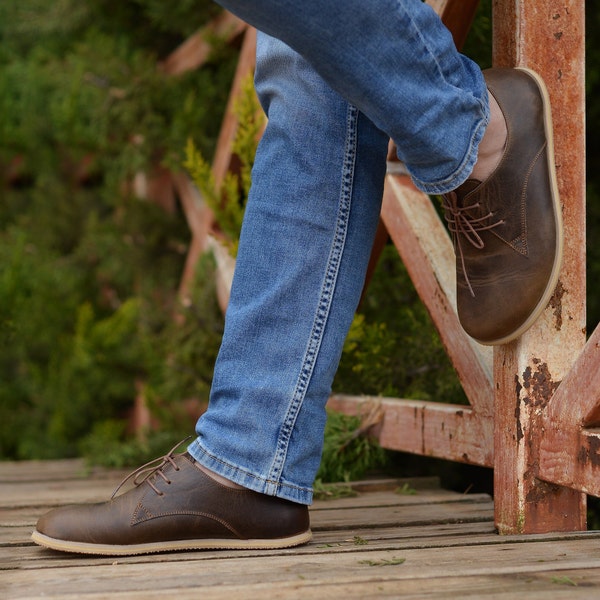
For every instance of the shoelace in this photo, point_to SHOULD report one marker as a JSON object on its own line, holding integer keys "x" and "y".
{"x": 143, "y": 473}
{"x": 460, "y": 223}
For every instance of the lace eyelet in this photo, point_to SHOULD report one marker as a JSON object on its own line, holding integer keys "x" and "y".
{"x": 148, "y": 472}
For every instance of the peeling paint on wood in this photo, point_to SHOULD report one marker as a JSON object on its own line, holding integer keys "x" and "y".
{"x": 547, "y": 36}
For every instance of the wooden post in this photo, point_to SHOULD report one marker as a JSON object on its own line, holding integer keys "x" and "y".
{"x": 547, "y": 36}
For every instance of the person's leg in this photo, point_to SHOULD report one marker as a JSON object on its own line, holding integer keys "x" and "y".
{"x": 307, "y": 235}
{"x": 397, "y": 62}
{"x": 322, "y": 149}
{"x": 305, "y": 244}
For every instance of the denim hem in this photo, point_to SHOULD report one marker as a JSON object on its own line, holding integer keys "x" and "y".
{"x": 249, "y": 480}
{"x": 465, "y": 168}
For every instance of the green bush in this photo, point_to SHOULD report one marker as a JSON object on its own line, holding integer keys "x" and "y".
{"x": 392, "y": 348}
{"x": 88, "y": 286}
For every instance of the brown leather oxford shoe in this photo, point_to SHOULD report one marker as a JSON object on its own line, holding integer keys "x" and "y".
{"x": 507, "y": 230}
{"x": 176, "y": 507}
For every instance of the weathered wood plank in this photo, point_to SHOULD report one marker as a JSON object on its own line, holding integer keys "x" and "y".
{"x": 558, "y": 585}
{"x": 52, "y": 470}
{"x": 439, "y": 534}
{"x": 446, "y": 539}
{"x": 428, "y": 428}
{"x": 55, "y": 493}
{"x": 391, "y": 516}
{"x": 309, "y": 571}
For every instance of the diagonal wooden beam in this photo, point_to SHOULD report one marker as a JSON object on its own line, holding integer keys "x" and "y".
{"x": 198, "y": 215}
{"x": 194, "y": 52}
{"x": 224, "y": 153}
{"x": 426, "y": 250}
{"x": 570, "y": 453}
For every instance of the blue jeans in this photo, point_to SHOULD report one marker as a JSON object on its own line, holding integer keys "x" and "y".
{"x": 381, "y": 69}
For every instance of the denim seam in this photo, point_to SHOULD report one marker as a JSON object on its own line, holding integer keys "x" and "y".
{"x": 423, "y": 41}
{"x": 325, "y": 297}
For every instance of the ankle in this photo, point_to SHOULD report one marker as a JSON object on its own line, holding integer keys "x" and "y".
{"x": 219, "y": 478}
{"x": 492, "y": 144}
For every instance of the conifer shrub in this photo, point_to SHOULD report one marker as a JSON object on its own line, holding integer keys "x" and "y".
{"x": 89, "y": 278}
{"x": 228, "y": 199}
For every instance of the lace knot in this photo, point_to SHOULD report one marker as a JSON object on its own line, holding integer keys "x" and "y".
{"x": 152, "y": 467}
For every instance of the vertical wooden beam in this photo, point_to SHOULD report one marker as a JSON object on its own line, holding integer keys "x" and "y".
{"x": 547, "y": 36}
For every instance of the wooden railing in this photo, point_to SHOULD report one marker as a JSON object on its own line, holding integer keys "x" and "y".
{"x": 533, "y": 402}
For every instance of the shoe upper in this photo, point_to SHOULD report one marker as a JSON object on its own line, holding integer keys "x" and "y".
{"x": 177, "y": 502}
{"x": 507, "y": 229}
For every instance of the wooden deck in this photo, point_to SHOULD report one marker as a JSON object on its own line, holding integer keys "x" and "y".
{"x": 378, "y": 544}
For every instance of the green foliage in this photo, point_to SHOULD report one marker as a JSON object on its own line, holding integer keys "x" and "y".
{"x": 348, "y": 451}
{"x": 89, "y": 278}
{"x": 152, "y": 25}
{"x": 189, "y": 347}
{"x": 179, "y": 356}
{"x": 35, "y": 302}
{"x": 392, "y": 348}
{"x": 78, "y": 331}
{"x": 228, "y": 199}
{"x": 223, "y": 199}
{"x": 98, "y": 95}
{"x": 93, "y": 378}
{"x": 109, "y": 445}
{"x": 478, "y": 45}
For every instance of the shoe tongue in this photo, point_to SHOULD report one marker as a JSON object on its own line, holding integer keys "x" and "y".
{"x": 467, "y": 187}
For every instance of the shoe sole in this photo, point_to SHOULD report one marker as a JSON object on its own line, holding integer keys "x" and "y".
{"x": 558, "y": 256}
{"x": 172, "y": 546}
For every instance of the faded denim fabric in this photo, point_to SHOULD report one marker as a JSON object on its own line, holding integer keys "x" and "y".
{"x": 313, "y": 211}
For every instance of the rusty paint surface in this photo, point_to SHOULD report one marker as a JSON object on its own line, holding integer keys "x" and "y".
{"x": 556, "y": 305}
{"x": 590, "y": 452}
{"x": 548, "y": 37}
{"x": 538, "y": 384}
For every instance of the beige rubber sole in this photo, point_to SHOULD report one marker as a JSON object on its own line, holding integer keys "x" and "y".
{"x": 558, "y": 256}
{"x": 173, "y": 546}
